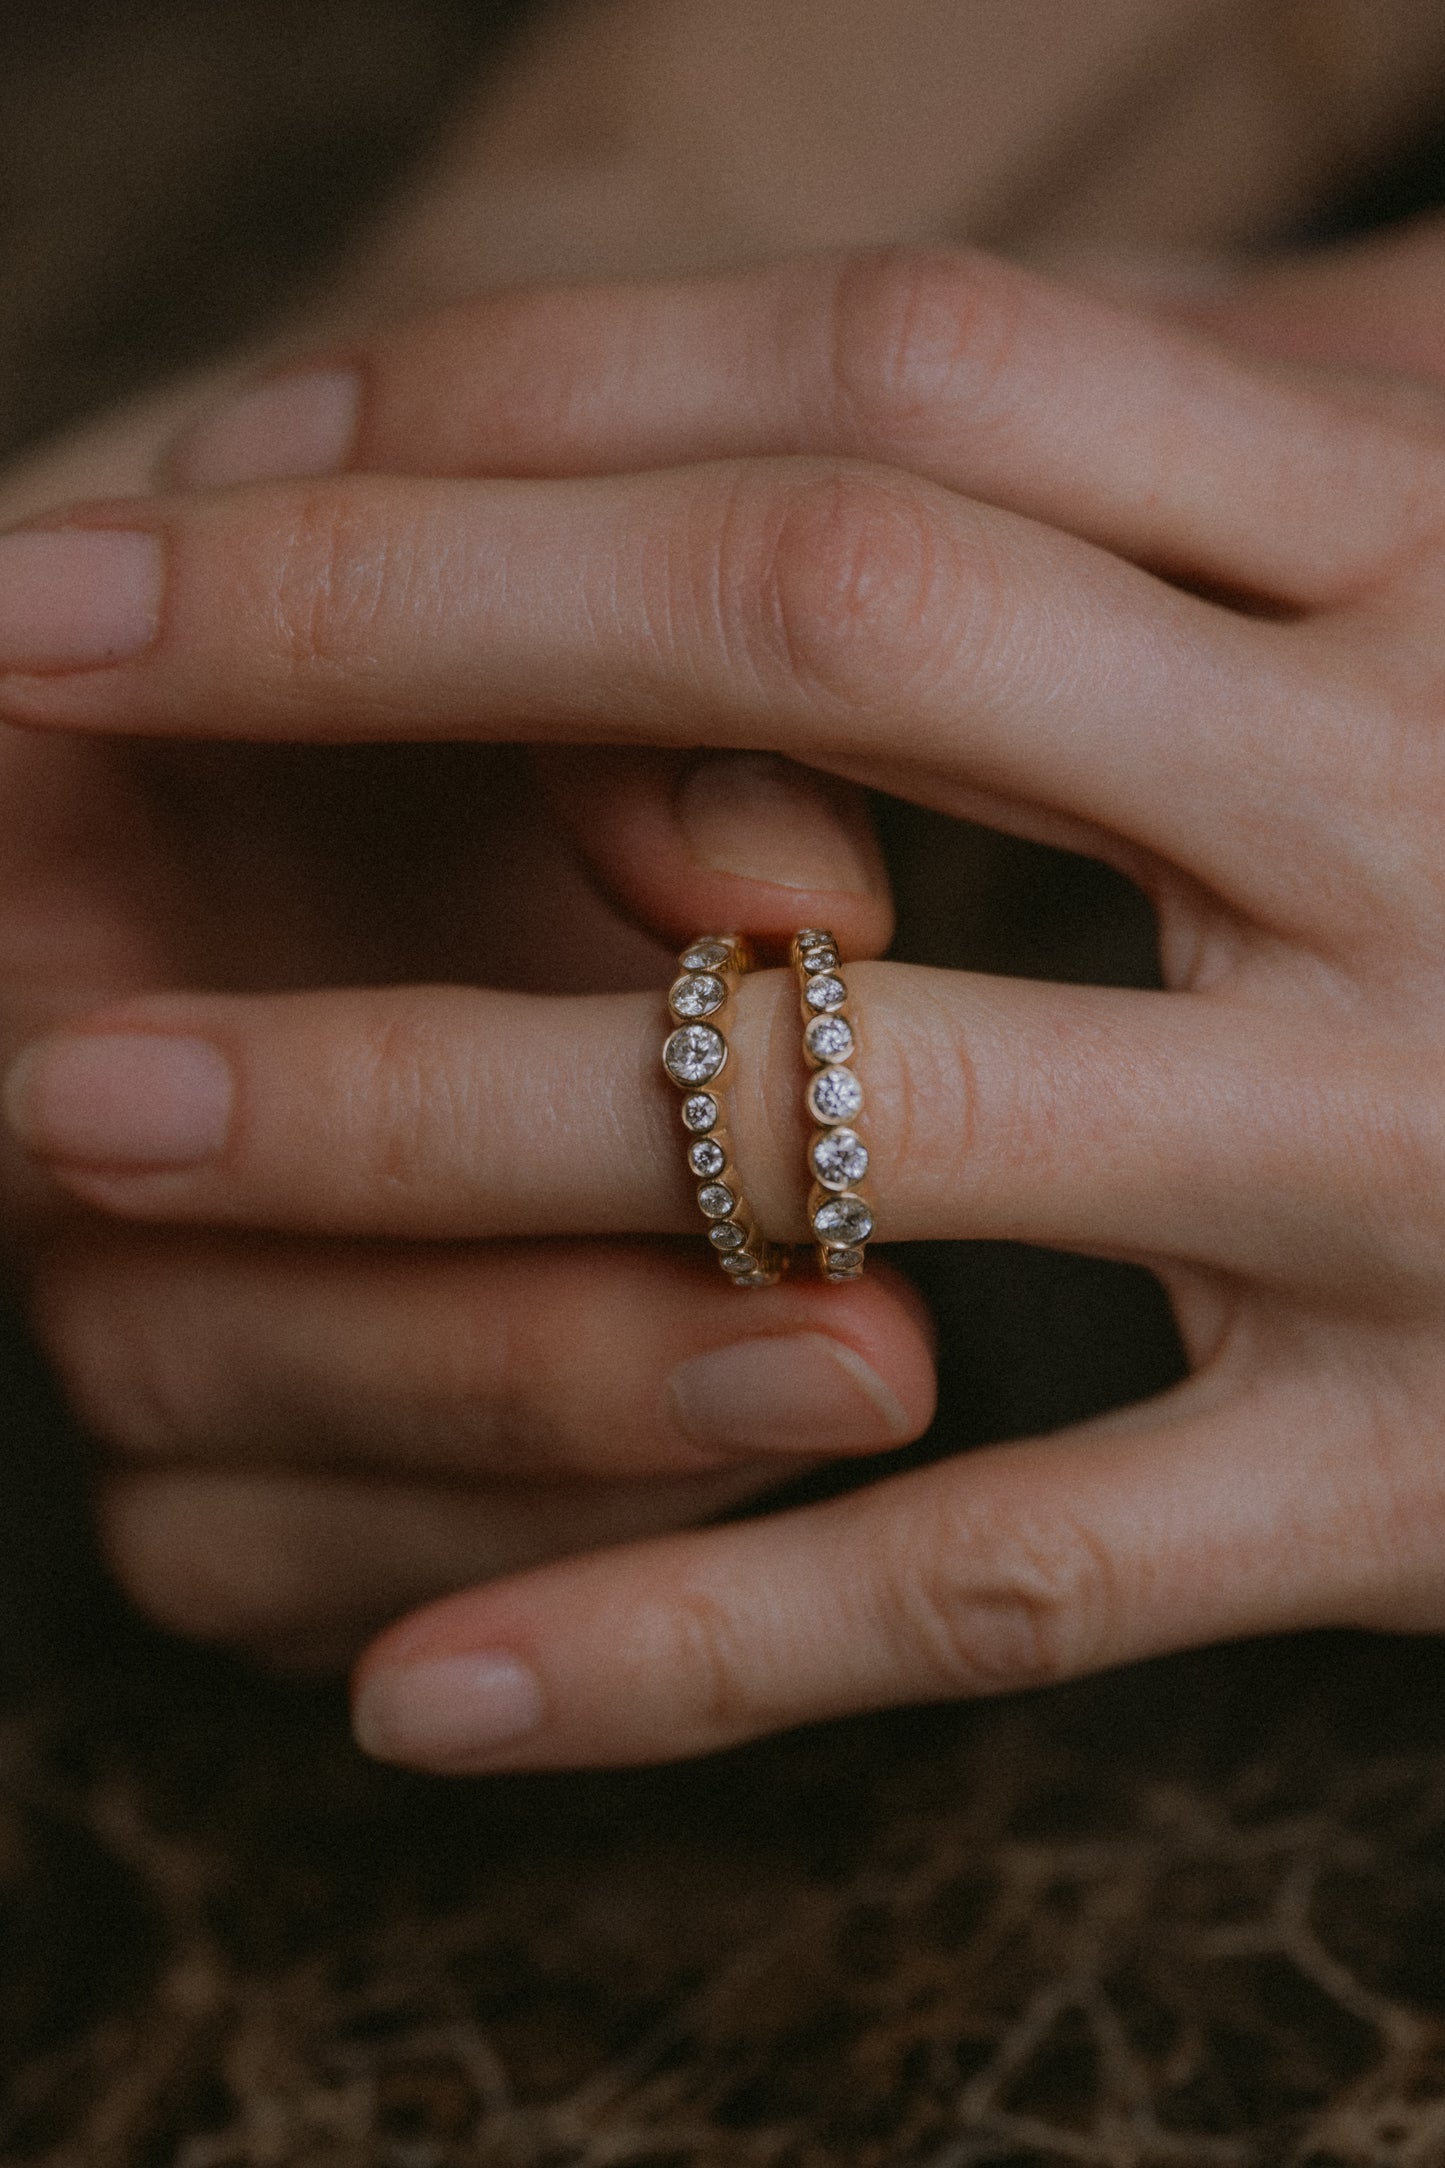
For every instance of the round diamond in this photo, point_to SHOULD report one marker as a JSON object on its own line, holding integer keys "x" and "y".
{"x": 716, "y": 1199}
{"x": 755, "y": 1279}
{"x": 835, "y": 1095}
{"x": 821, "y": 959}
{"x": 707, "y": 1158}
{"x": 699, "y": 1111}
{"x": 840, "y": 1159}
{"x": 695, "y": 1054}
{"x": 727, "y": 1235}
{"x": 738, "y": 1262}
{"x": 810, "y": 936}
{"x": 843, "y": 1264}
{"x": 826, "y": 992}
{"x": 830, "y": 1038}
{"x": 707, "y": 956}
{"x": 843, "y": 1219}
{"x": 700, "y": 995}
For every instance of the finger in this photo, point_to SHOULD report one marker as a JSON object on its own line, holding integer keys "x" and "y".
{"x": 970, "y": 371}
{"x": 854, "y": 619}
{"x": 744, "y": 840}
{"x": 519, "y": 1363}
{"x": 1005, "y": 1569}
{"x": 1142, "y": 1124}
{"x": 302, "y": 1567}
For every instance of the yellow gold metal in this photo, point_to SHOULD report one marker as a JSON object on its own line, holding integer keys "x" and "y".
{"x": 839, "y": 1212}
{"x": 695, "y": 1058}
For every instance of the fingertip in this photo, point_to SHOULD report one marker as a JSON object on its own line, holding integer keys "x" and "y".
{"x": 749, "y": 841}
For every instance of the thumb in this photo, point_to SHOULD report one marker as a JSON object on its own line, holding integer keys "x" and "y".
{"x": 746, "y": 841}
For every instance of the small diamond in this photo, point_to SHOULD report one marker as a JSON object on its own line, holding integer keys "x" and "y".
{"x": 727, "y": 1235}
{"x": 700, "y": 995}
{"x": 756, "y": 1279}
{"x": 700, "y": 1111}
{"x": 810, "y": 936}
{"x": 821, "y": 959}
{"x": 826, "y": 992}
{"x": 830, "y": 1038}
{"x": 840, "y": 1159}
{"x": 695, "y": 1054}
{"x": 716, "y": 1199}
{"x": 707, "y": 1158}
{"x": 843, "y": 1219}
{"x": 738, "y": 1262}
{"x": 835, "y": 1095}
{"x": 707, "y": 956}
{"x": 842, "y": 1264}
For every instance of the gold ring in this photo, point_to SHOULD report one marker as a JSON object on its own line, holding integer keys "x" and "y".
{"x": 695, "y": 1058}
{"x": 840, "y": 1215}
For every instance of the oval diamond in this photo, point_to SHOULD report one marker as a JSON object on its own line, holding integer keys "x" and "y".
{"x": 727, "y": 1235}
{"x": 840, "y": 1159}
{"x": 835, "y": 1095}
{"x": 706, "y": 956}
{"x": 695, "y": 1054}
{"x": 810, "y": 936}
{"x": 707, "y": 1158}
{"x": 843, "y": 1219}
{"x": 825, "y": 992}
{"x": 716, "y": 1199}
{"x": 842, "y": 1264}
{"x": 699, "y": 1111}
{"x": 830, "y": 1038}
{"x": 738, "y": 1262}
{"x": 820, "y": 959}
{"x": 701, "y": 995}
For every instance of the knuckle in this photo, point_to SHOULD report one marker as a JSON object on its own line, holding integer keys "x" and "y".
{"x": 333, "y": 572}
{"x": 849, "y": 595}
{"x": 911, "y": 329}
{"x": 410, "y": 1106}
{"x": 709, "y": 1657}
{"x": 996, "y": 1604}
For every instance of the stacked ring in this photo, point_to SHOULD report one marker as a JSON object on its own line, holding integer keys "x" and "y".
{"x": 695, "y": 1057}
{"x": 841, "y": 1218}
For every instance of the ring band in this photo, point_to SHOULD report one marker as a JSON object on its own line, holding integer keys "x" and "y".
{"x": 695, "y": 1058}
{"x": 840, "y": 1216}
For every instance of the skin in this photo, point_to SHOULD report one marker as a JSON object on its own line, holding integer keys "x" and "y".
{"x": 1001, "y": 547}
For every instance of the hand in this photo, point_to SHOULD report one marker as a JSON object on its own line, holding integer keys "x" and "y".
{"x": 1111, "y": 585}
{"x": 300, "y": 1438}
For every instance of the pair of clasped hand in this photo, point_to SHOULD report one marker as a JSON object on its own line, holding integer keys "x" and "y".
{"x": 357, "y": 787}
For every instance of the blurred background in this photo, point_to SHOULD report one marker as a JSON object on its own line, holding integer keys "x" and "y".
{"x": 1192, "y": 1913}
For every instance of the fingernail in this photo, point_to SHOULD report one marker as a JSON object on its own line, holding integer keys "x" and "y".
{"x": 77, "y": 598}
{"x": 296, "y": 425}
{"x": 128, "y": 1102}
{"x": 769, "y": 820}
{"x": 446, "y": 1714}
{"x": 803, "y": 1393}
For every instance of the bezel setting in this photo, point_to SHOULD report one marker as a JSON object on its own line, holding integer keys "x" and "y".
{"x": 838, "y": 1157}
{"x": 695, "y": 1053}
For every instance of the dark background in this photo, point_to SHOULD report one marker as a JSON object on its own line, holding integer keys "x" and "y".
{"x": 1194, "y": 1912}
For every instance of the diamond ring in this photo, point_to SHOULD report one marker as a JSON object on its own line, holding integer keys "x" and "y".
{"x": 841, "y": 1217}
{"x": 695, "y": 1057}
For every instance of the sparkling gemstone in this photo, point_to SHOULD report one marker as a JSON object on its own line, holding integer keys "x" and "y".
{"x": 707, "y": 1158}
{"x": 716, "y": 1199}
{"x": 727, "y": 1235}
{"x": 835, "y": 1095}
{"x": 699, "y": 1111}
{"x": 810, "y": 936}
{"x": 840, "y": 1159}
{"x": 843, "y": 1264}
{"x": 756, "y": 1279}
{"x": 707, "y": 956}
{"x": 826, "y": 992}
{"x": 821, "y": 959}
{"x": 830, "y": 1038}
{"x": 738, "y": 1262}
{"x": 695, "y": 1054}
{"x": 843, "y": 1219}
{"x": 700, "y": 995}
